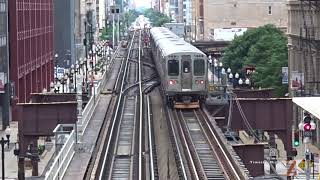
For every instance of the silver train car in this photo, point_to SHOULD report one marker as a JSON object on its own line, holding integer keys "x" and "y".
{"x": 181, "y": 67}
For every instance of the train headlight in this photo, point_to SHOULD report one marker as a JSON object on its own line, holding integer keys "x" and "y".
{"x": 173, "y": 82}
{"x": 199, "y": 81}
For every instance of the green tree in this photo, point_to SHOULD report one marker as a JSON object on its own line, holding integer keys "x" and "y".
{"x": 130, "y": 17}
{"x": 265, "y": 48}
{"x": 156, "y": 18}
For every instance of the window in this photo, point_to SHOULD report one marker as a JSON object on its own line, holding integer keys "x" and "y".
{"x": 186, "y": 67}
{"x": 173, "y": 67}
{"x": 270, "y": 12}
{"x": 2, "y": 7}
{"x": 199, "y": 67}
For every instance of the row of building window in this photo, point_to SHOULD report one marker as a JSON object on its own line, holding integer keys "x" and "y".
{"x": 2, "y": 7}
{"x": 3, "y": 41}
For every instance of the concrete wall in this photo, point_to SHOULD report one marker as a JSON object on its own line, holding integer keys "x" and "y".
{"x": 243, "y": 13}
{"x": 64, "y": 23}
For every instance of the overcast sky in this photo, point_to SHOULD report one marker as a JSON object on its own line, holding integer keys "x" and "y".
{"x": 142, "y": 3}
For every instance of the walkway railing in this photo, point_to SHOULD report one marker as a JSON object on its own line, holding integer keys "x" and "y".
{"x": 67, "y": 151}
{"x": 89, "y": 109}
{"x": 65, "y": 154}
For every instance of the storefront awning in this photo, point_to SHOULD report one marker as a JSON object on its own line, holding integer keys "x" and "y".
{"x": 310, "y": 104}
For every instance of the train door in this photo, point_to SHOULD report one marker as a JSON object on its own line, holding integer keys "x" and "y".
{"x": 186, "y": 75}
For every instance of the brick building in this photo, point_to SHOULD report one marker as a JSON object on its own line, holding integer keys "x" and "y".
{"x": 31, "y": 47}
{"x": 4, "y": 65}
{"x": 207, "y": 15}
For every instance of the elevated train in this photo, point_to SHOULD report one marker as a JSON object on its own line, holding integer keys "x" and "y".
{"x": 181, "y": 67}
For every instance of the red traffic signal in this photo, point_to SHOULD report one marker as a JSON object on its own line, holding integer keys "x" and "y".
{"x": 307, "y": 126}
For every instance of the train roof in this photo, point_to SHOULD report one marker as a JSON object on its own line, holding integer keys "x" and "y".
{"x": 170, "y": 43}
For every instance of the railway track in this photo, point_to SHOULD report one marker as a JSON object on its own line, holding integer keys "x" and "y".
{"x": 120, "y": 160}
{"x": 205, "y": 157}
{"x": 125, "y": 146}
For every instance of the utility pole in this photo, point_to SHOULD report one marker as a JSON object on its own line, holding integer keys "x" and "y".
{"x": 114, "y": 11}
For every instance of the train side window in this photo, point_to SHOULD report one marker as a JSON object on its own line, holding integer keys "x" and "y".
{"x": 186, "y": 67}
{"x": 173, "y": 67}
{"x": 199, "y": 67}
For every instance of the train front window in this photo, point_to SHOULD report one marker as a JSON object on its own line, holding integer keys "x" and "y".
{"x": 199, "y": 67}
{"x": 173, "y": 67}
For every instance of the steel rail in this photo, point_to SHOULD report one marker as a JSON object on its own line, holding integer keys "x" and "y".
{"x": 116, "y": 112}
{"x": 118, "y": 77}
{"x": 234, "y": 173}
{"x": 193, "y": 150}
{"x": 141, "y": 109}
{"x": 122, "y": 164}
{"x": 116, "y": 140}
{"x": 187, "y": 149}
{"x": 150, "y": 140}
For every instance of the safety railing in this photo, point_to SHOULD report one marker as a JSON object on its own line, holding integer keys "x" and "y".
{"x": 89, "y": 109}
{"x": 65, "y": 154}
{"x": 66, "y": 148}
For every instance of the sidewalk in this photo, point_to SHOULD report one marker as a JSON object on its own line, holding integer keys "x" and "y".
{"x": 11, "y": 164}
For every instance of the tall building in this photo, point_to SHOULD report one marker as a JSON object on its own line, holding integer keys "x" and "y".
{"x": 304, "y": 46}
{"x": 304, "y": 54}
{"x": 101, "y": 13}
{"x": 64, "y": 25}
{"x": 208, "y": 15}
{"x": 4, "y": 65}
{"x": 31, "y": 48}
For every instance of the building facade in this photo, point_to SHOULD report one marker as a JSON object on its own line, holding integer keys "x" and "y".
{"x": 101, "y": 14}
{"x": 4, "y": 66}
{"x": 304, "y": 54}
{"x": 31, "y": 48}
{"x": 304, "y": 47}
{"x": 209, "y": 15}
{"x": 64, "y": 25}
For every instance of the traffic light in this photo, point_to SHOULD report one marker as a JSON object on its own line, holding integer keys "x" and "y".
{"x": 307, "y": 126}
{"x": 296, "y": 139}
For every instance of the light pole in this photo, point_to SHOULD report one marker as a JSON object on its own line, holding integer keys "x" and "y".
{"x": 58, "y": 86}
{"x": 3, "y": 142}
{"x": 307, "y": 126}
{"x": 74, "y": 72}
{"x": 56, "y": 66}
{"x": 51, "y": 87}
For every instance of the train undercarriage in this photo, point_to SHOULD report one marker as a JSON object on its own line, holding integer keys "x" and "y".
{"x": 185, "y": 101}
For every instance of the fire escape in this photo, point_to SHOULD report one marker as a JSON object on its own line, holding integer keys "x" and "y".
{"x": 310, "y": 44}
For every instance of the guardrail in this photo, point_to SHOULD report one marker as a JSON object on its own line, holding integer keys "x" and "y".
{"x": 89, "y": 109}
{"x": 64, "y": 157}
{"x": 66, "y": 153}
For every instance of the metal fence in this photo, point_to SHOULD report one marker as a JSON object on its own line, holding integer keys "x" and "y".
{"x": 65, "y": 155}
{"x": 67, "y": 151}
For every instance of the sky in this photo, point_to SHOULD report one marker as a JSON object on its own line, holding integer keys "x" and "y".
{"x": 142, "y": 3}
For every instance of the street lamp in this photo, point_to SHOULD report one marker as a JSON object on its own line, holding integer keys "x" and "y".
{"x": 3, "y": 142}
{"x": 51, "y": 87}
{"x": 74, "y": 73}
{"x": 56, "y": 66}
{"x": 58, "y": 86}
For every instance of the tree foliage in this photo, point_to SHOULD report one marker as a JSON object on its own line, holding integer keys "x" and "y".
{"x": 130, "y": 16}
{"x": 157, "y": 18}
{"x": 265, "y": 48}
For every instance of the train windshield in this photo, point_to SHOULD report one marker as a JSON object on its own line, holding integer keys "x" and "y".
{"x": 173, "y": 67}
{"x": 199, "y": 67}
